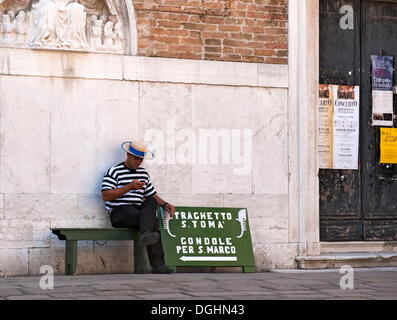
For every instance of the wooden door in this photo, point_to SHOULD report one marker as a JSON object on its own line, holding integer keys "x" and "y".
{"x": 358, "y": 205}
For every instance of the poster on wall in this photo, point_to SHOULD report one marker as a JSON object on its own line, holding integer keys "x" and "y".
{"x": 388, "y": 145}
{"x": 346, "y": 126}
{"x": 324, "y": 129}
{"x": 338, "y": 126}
{"x": 382, "y": 90}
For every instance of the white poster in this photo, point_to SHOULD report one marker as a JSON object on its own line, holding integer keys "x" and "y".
{"x": 382, "y": 108}
{"x": 324, "y": 128}
{"x": 346, "y": 127}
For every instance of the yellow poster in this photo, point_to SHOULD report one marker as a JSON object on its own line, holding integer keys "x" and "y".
{"x": 388, "y": 145}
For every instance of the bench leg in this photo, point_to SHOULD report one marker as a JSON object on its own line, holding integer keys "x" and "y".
{"x": 141, "y": 261}
{"x": 70, "y": 257}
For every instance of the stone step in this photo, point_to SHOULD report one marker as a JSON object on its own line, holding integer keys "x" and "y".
{"x": 337, "y": 260}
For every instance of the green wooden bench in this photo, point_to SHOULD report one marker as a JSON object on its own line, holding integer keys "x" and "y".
{"x": 73, "y": 235}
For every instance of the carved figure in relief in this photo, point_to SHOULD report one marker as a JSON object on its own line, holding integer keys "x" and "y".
{"x": 6, "y": 26}
{"x": 96, "y": 34}
{"x": 62, "y": 24}
{"x": 119, "y": 38}
{"x": 103, "y": 18}
{"x": 109, "y": 35}
{"x": 76, "y": 21}
{"x": 11, "y": 13}
{"x": 57, "y": 25}
{"x": 1, "y": 27}
{"x": 45, "y": 21}
{"x": 20, "y": 28}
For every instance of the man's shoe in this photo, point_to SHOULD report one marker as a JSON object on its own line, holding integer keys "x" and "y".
{"x": 163, "y": 269}
{"x": 148, "y": 238}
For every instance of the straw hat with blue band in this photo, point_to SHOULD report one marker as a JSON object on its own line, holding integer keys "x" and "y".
{"x": 137, "y": 149}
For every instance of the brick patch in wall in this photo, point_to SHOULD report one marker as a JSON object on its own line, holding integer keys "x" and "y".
{"x": 225, "y": 30}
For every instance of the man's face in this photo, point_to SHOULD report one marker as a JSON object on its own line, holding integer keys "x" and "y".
{"x": 133, "y": 162}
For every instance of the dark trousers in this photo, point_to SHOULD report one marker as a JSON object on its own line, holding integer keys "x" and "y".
{"x": 142, "y": 218}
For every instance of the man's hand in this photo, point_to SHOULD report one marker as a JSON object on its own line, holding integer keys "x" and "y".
{"x": 113, "y": 194}
{"x": 167, "y": 206}
{"x": 136, "y": 184}
{"x": 170, "y": 209}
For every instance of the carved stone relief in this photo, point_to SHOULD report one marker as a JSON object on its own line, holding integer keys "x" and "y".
{"x": 77, "y": 25}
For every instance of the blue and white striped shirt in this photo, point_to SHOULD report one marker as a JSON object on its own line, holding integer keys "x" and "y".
{"x": 119, "y": 176}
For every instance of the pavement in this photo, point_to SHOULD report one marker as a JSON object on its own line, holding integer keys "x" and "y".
{"x": 335, "y": 284}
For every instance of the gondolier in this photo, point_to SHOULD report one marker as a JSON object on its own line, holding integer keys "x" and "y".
{"x": 132, "y": 200}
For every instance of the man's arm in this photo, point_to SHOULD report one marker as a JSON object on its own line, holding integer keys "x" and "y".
{"x": 113, "y": 194}
{"x": 167, "y": 206}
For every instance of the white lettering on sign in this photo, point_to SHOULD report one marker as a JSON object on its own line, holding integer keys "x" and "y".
{"x": 347, "y": 21}
{"x": 203, "y": 220}
{"x": 205, "y": 245}
{"x": 203, "y": 215}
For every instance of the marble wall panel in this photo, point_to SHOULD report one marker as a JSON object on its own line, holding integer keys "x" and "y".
{"x": 222, "y": 117}
{"x": 14, "y": 262}
{"x": 270, "y": 141}
{"x": 165, "y": 121}
{"x": 25, "y": 134}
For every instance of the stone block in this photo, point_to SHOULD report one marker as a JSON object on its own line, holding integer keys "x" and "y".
{"x": 272, "y": 75}
{"x": 13, "y": 262}
{"x": 191, "y": 71}
{"x": 267, "y": 214}
{"x": 165, "y": 133}
{"x": 25, "y": 134}
{"x": 275, "y": 256}
{"x": 189, "y": 200}
{"x": 270, "y": 141}
{"x": 91, "y": 206}
{"x": 117, "y": 120}
{"x": 259, "y": 205}
{"x": 30, "y": 230}
{"x": 1, "y": 206}
{"x": 224, "y": 143}
{"x": 41, "y": 206}
{"x": 73, "y": 131}
{"x": 60, "y": 64}
{"x": 80, "y": 222}
{"x": 91, "y": 124}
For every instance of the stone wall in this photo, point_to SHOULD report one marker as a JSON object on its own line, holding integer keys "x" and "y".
{"x": 64, "y": 116}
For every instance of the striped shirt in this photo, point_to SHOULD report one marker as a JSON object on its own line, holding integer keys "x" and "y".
{"x": 118, "y": 176}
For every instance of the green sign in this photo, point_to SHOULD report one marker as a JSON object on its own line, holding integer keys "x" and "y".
{"x": 197, "y": 236}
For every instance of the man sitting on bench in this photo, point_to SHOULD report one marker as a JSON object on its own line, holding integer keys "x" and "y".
{"x": 131, "y": 200}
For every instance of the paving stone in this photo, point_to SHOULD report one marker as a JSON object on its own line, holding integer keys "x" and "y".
{"x": 120, "y": 292}
{"x": 241, "y": 294}
{"x": 105, "y": 287}
{"x": 72, "y": 295}
{"x": 29, "y": 297}
{"x": 164, "y": 296}
{"x": 56, "y": 289}
{"x": 116, "y": 297}
{"x": 162, "y": 290}
{"x": 4, "y": 292}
